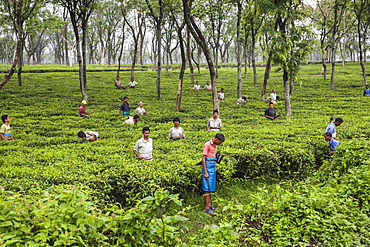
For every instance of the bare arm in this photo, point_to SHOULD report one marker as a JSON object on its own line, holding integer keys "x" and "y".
{"x": 204, "y": 167}
{"x": 137, "y": 154}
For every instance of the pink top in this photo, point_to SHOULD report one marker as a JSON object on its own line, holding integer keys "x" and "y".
{"x": 209, "y": 149}
{"x": 81, "y": 110}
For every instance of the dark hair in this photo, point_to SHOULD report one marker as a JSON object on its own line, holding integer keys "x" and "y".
{"x": 136, "y": 117}
{"x": 176, "y": 119}
{"x": 339, "y": 120}
{"x": 222, "y": 89}
{"x": 81, "y": 134}
{"x": 125, "y": 98}
{"x": 220, "y": 137}
{"x": 146, "y": 129}
{"x": 328, "y": 134}
{"x": 215, "y": 111}
{"x": 271, "y": 103}
{"x": 4, "y": 117}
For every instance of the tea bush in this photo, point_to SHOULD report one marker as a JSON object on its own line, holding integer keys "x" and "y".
{"x": 62, "y": 217}
{"x": 47, "y": 153}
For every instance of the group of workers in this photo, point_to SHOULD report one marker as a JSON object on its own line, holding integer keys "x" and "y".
{"x": 144, "y": 146}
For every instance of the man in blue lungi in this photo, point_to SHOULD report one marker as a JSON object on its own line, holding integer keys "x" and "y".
{"x": 209, "y": 170}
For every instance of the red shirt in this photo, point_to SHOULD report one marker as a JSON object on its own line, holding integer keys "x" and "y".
{"x": 209, "y": 149}
{"x": 81, "y": 110}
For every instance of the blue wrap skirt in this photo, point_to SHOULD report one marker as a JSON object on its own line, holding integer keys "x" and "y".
{"x": 210, "y": 183}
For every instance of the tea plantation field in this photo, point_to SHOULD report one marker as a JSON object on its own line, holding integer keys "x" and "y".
{"x": 279, "y": 187}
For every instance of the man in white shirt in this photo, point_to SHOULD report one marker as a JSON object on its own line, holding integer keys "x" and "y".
{"x": 214, "y": 123}
{"x": 132, "y": 120}
{"x": 221, "y": 95}
{"x": 140, "y": 110}
{"x": 144, "y": 147}
{"x": 132, "y": 83}
{"x": 90, "y": 136}
{"x": 176, "y": 132}
{"x": 208, "y": 87}
{"x": 272, "y": 97}
{"x": 196, "y": 86}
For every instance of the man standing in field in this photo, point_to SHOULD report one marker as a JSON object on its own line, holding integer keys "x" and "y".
{"x": 367, "y": 91}
{"x": 144, "y": 146}
{"x": 209, "y": 170}
{"x": 270, "y": 112}
{"x": 5, "y": 133}
{"x": 331, "y": 128}
{"x": 82, "y": 109}
{"x": 124, "y": 110}
{"x": 208, "y": 86}
{"x": 176, "y": 132}
{"x": 332, "y": 142}
{"x": 214, "y": 123}
{"x": 132, "y": 83}
{"x": 272, "y": 97}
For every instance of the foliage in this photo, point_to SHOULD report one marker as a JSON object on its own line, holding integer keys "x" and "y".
{"x": 67, "y": 217}
{"x": 48, "y": 154}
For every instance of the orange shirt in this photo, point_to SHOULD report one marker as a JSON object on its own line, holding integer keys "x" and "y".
{"x": 209, "y": 149}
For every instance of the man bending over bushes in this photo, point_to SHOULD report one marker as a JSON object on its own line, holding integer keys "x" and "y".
{"x": 332, "y": 142}
{"x": 209, "y": 170}
{"x": 144, "y": 146}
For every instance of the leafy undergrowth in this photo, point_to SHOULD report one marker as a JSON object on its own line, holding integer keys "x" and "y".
{"x": 47, "y": 153}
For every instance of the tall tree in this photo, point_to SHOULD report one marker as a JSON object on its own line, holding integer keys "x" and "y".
{"x": 214, "y": 14}
{"x": 157, "y": 16}
{"x": 361, "y": 9}
{"x": 79, "y": 12}
{"x": 202, "y": 42}
{"x": 239, "y": 47}
{"x": 253, "y": 19}
{"x": 339, "y": 7}
{"x": 291, "y": 43}
{"x": 134, "y": 17}
{"x": 19, "y": 11}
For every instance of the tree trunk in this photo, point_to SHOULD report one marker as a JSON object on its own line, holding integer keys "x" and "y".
{"x": 332, "y": 68}
{"x": 324, "y": 66}
{"x": 266, "y": 76}
{"x": 239, "y": 50}
{"x": 19, "y": 24}
{"x": 20, "y": 66}
{"x": 361, "y": 43}
{"x": 159, "y": 51}
{"x": 121, "y": 50}
{"x": 183, "y": 66}
{"x": 83, "y": 84}
{"x": 188, "y": 56}
{"x": 288, "y": 109}
{"x": 200, "y": 39}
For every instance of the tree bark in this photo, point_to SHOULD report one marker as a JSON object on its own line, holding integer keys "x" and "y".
{"x": 288, "y": 108}
{"x": 183, "y": 66}
{"x": 188, "y": 56}
{"x": 17, "y": 57}
{"x": 200, "y": 39}
{"x": 266, "y": 76}
{"x": 239, "y": 49}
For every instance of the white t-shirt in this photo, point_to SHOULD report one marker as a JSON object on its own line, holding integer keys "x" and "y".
{"x": 221, "y": 96}
{"x": 273, "y": 96}
{"x": 130, "y": 120}
{"x": 140, "y": 111}
{"x": 196, "y": 87}
{"x": 91, "y": 135}
{"x": 132, "y": 83}
{"x": 207, "y": 87}
{"x": 176, "y": 133}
